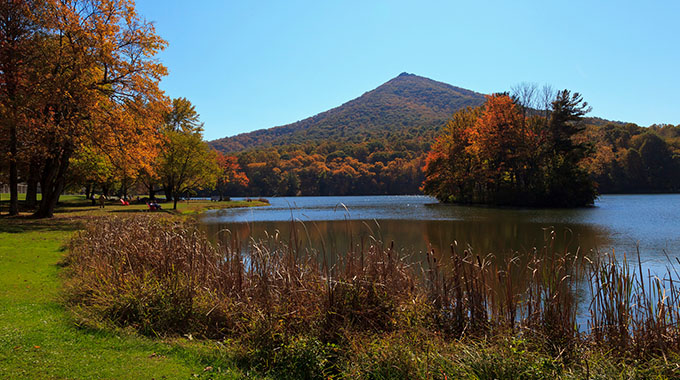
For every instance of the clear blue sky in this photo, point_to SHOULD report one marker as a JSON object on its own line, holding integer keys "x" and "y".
{"x": 257, "y": 64}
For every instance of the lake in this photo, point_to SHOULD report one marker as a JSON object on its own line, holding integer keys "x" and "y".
{"x": 419, "y": 223}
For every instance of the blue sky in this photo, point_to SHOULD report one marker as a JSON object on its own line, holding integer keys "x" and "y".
{"x": 258, "y": 64}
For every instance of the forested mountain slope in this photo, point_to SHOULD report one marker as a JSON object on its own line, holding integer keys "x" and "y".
{"x": 377, "y": 143}
{"x": 407, "y": 104}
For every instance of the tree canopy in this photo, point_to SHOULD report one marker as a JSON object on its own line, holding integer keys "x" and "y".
{"x": 502, "y": 153}
{"x": 186, "y": 162}
{"x": 82, "y": 75}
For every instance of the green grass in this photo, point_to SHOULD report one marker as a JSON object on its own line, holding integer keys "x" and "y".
{"x": 77, "y": 206}
{"x": 38, "y": 338}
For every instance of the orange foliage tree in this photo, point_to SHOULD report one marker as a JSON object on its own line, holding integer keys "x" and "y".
{"x": 230, "y": 174}
{"x": 91, "y": 80}
{"x": 500, "y": 154}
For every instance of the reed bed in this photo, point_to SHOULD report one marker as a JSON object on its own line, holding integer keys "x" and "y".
{"x": 633, "y": 310}
{"x": 166, "y": 277}
{"x": 531, "y": 295}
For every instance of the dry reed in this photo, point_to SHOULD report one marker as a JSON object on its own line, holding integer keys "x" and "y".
{"x": 165, "y": 277}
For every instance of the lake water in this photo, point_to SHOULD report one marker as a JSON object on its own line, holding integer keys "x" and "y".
{"x": 419, "y": 223}
{"x": 416, "y": 224}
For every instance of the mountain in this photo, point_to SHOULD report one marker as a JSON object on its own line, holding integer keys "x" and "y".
{"x": 378, "y": 143}
{"x": 405, "y": 104}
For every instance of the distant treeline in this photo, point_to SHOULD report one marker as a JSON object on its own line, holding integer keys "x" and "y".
{"x": 378, "y": 143}
{"x": 390, "y": 166}
{"x": 625, "y": 158}
{"x": 632, "y": 159}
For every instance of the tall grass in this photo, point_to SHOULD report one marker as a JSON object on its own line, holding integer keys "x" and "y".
{"x": 165, "y": 277}
{"x": 633, "y": 310}
{"x": 529, "y": 294}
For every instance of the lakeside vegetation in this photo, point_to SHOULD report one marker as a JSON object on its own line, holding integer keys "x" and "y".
{"x": 290, "y": 313}
{"x": 38, "y": 336}
{"x": 275, "y": 324}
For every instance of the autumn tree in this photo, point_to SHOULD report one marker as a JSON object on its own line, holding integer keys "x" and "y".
{"x": 91, "y": 169}
{"x": 230, "y": 174}
{"x": 503, "y": 153}
{"x": 18, "y": 28}
{"x": 448, "y": 166}
{"x": 119, "y": 153}
{"x": 76, "y": 64}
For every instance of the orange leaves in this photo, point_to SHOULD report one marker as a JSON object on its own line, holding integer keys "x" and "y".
{"x": 230, "y": 171}
{"x": 498, "y": 131}
{"x": 478, "y": 148}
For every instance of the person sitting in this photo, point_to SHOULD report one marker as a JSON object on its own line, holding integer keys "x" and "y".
{"x": 124, "y": 202}
{"x": 153, "y": 206}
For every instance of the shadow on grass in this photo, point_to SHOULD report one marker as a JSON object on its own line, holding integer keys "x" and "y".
{"x": 23, "y": 224}
{"x": 133, "y": 211}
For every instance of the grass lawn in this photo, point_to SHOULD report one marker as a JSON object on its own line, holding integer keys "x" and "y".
{"x": 38, "y": 340}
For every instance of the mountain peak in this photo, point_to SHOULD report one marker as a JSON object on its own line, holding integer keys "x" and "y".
{"x": 406, "y": 104}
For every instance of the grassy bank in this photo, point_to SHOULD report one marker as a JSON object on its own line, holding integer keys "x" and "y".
{"x": 71, "y": 206}
{"x": 39, "y": 339}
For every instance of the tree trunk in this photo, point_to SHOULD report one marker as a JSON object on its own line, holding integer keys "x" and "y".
{"x": 124, "y": 188}
{"x": 32, "y": 184}
{"x": 10, "y": 68}
{"x": 174, "y": 201}
{"x": 168, "y": 193}
{"x": 92, "y": 197}
{"x": 54, "y": 179}
{"x": 13, "y": 173}
{"x": 88, "y": 189}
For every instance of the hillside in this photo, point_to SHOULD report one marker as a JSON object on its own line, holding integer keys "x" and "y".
{"x": 377, "y": 144}
{"x": 405, "y": 104}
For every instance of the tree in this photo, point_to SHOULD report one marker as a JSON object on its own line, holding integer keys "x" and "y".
{"x": 186, "y": 162}
{"x": 182, "y": 116}
{"x": 124, "y": 147}
{"x": 80, "y": 60}
{"x": 657, "y": 161}
{"x": 230, "y": 174}
{"x": 448, "y": 166}
{"x": 565, "y": 122}
{"x": 500, "y": 143}
{"x": 17, "y": 47}
{"x": 90, "y": 168}
{"x": 567, "y": 181}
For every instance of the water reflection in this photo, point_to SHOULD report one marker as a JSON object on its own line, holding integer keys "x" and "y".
{"x": 413, "y": 237}
{"x": 417, "y": 223}
{"x": 333, "y": 226}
